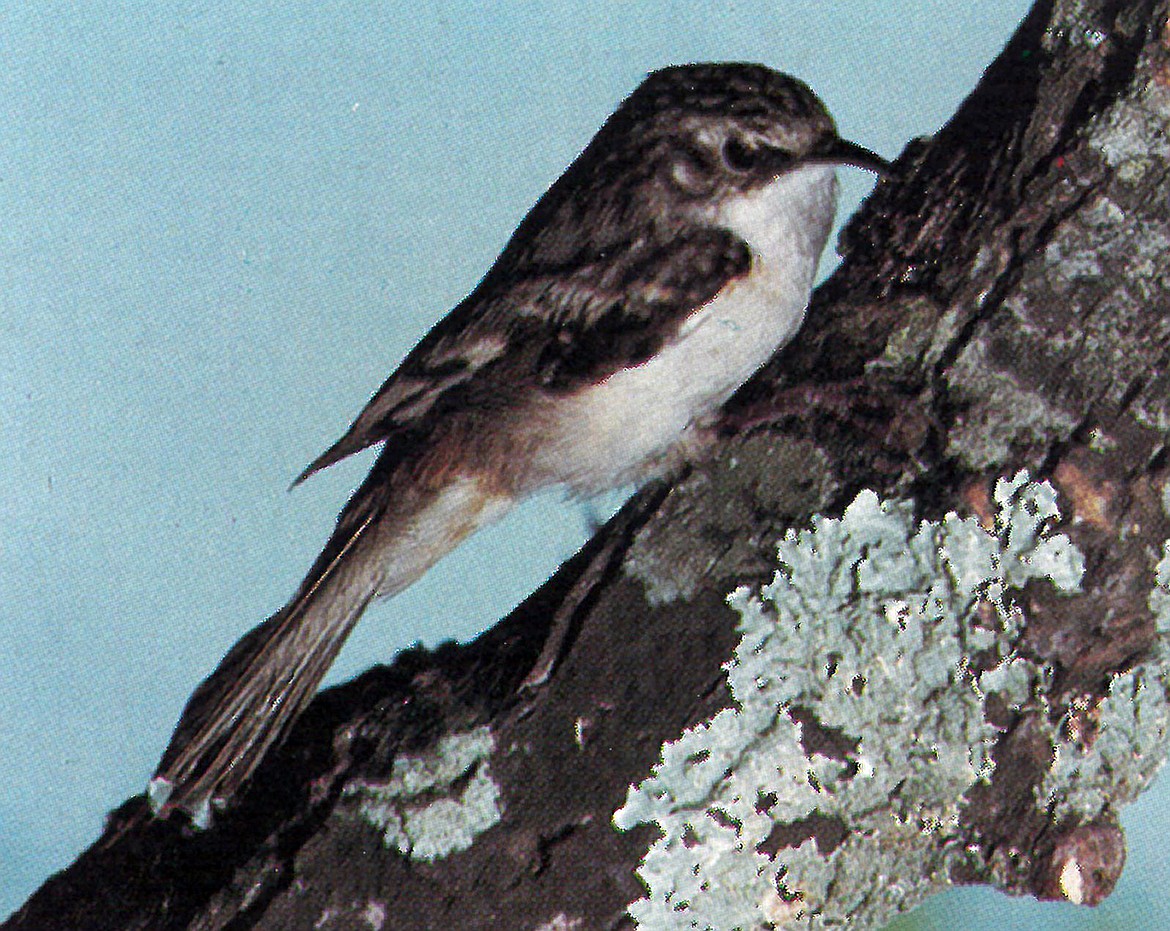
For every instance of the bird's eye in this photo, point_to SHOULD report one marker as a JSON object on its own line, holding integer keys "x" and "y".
{"x": 738, "y": 155}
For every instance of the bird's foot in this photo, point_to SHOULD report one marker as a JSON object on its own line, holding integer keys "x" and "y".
{"x": 859, "y": 405}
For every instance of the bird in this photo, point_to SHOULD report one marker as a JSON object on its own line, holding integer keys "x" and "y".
{"x": 668, "y": 263}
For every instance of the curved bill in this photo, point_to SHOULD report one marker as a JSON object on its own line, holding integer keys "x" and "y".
{"x": 843, "y": 152}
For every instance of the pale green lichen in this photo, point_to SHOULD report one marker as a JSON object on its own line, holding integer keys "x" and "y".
{"x": 1160, "y": 596}
{"x": 1129, "y": 139}
{"x": 1119, "y": 748}
{"x": 1120, "y": 759}
{"x": 374, "y": 915}
{"x": 1002, "y": 409}
{"x": 435, "y": 804}
{"x": 870, "y": 627}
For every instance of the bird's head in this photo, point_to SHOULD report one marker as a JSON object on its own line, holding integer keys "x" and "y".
{"x": 711, "y": 129}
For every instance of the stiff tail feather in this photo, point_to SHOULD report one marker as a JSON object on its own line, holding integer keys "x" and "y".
{"x": 268, "y": 678}
{"x": 262, "y": 685}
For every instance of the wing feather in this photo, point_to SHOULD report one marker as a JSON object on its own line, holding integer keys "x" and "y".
{"x": 554, "y": 329}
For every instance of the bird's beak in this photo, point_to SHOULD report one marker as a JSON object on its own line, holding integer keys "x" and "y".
{"x": 843, "y": 152}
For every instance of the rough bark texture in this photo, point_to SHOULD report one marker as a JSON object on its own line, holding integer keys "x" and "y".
{"x": 1002, "y": 305}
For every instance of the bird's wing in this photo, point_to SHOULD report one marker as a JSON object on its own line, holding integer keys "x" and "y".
{"x": 551, "y": 327}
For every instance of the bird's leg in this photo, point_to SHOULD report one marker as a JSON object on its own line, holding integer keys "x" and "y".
{"x": 618, "y": 534}
{"x": 805, "y": 401}
{"x": 860, "y": 404}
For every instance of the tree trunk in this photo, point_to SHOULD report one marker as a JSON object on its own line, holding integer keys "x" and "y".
{"x": 954, "y": 672}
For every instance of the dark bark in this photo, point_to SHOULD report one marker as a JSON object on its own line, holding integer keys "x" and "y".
{"x": 1002, "y": 305}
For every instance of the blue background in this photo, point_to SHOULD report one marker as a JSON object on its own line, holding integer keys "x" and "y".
{"x": 224, "y": 224}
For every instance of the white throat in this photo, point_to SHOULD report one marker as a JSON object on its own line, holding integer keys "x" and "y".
{"x": 786, "y": 225}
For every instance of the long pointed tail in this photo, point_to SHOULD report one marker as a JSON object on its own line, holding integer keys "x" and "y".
{"x": 268, "y": 678}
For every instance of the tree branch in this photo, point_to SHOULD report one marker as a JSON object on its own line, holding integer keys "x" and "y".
{"x": 913, "y": 700}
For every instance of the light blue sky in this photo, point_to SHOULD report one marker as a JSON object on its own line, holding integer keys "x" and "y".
{"x": 224, "y": 224}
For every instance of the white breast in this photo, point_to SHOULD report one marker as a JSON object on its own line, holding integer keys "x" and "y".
{"x": 627, "y": 425}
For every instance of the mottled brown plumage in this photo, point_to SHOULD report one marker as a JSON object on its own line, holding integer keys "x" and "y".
{"x": 665, "y": 265}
